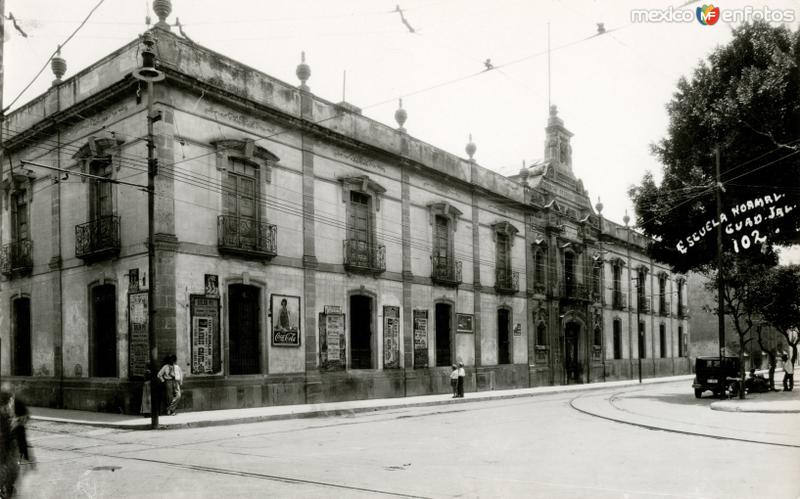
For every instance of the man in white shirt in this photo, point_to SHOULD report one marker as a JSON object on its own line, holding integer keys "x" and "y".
{"x": 172, "y": 377}
{"x": 788, "y": 373}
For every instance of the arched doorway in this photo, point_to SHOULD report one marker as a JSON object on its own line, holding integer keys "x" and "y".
{"x": 361, "y": 337}
{"x": 244, "y": 326}
{"x": 572, "y": 364}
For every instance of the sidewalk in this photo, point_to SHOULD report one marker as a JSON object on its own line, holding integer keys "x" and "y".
{"x": 770, "y": 402}
{"x": 252, "y": 415}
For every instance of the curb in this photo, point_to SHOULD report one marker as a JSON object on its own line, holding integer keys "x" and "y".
{"x": 476, "y": 397}
{"x": 727, "y": 407}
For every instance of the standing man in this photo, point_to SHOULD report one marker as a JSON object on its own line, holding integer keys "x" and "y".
{"x": 461, "y": 375}
{"x": 788, "y": 373}
{"x": 172, "y": 376}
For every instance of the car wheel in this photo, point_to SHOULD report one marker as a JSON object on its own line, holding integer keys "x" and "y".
{"x": 698, "y": 393}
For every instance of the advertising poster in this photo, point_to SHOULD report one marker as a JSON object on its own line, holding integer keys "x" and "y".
{"x": 332, "y": 347}
{"x": 420, "y": 338}
{"x": 391, "y": 337}
{"x": 138, "y": 343}
{"x": 464, "y": 323}
{"x": 205, "y": 338}
{"x": 285, "y": 321}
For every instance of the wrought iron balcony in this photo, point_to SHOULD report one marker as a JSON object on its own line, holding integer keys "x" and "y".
{"x": 445, "y": 271}
{"x": 247, "y": 237}
{"x": 537, "y": 288}
{"x": 618, "y": 300}
{"x": 98, "y": 238}
{"x": 682, "y": 311}
{"x": 662, "y": 307}
{"x": 16, "y": 258}
{"x": 643, "y": 304}
{"x": 506, "y": 281}
{"x": 574, "y": 291}
{"x": 361, "y": 256}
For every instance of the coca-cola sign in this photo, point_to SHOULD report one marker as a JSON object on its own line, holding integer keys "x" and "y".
{"x": 285, "y": 338}
{"x": 285, "y": 312}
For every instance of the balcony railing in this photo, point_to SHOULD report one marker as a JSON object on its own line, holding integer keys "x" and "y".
{"x": 445, "y": 271}
{"x": 361, "y": 256}
{"x": 618, "y": 300}
{"x": 16, "y": 258}
{"x": 682, "y": 311}
{"x": 574, "y": 291}
{"x": 643, "y": 304}
{"x": 506, "y": 281}
{"x": 247, "y": 237}
{"x": 98, "y": 238}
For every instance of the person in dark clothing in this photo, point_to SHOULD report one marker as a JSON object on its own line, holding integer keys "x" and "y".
{"x": 14, "y": 442}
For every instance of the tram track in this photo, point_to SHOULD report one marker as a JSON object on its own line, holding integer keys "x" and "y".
{"x": 612, "y": 402}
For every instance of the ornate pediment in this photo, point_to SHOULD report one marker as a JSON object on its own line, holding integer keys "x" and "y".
{"x": 445, "y": 209}
{"x": 504, "y": 227}
{"x": 247, "y": 151}
{"x": 362, "y": 183}
{"x": 99, "y": 149}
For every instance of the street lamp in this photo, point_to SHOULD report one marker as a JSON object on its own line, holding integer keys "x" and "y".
{"x": 149, "y": 74}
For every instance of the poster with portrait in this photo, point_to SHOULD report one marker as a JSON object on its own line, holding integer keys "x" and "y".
{"x": 138, "y": 342}
{"x": 420, "y": 338}
{"x": 391, "y": 337}
{"x": 285, "y": 312}
{"x": 464, "y": 323}
{"x": 212, "y": 285}
{"x": 205, "y": 338}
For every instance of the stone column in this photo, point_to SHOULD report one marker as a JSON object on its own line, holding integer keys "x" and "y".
{"x": 313, "y": 379}
{"x": 166, "y": 242}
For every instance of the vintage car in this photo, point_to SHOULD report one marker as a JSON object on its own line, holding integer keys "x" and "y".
{"x": 720, "y": 377}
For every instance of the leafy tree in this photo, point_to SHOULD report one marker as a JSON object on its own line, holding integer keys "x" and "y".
{"x": 745, "y": 100}
{"x": 742, "y": 297}
{"x": 778, "y": 300}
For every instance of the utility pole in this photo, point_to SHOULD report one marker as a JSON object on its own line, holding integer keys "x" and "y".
{"x": 720, "y": 282}
{"x": 149, "y": 74}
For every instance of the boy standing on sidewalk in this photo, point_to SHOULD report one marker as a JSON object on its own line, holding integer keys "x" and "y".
{"x": 454, "y": 380}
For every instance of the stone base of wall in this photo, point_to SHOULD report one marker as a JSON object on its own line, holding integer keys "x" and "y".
{"x": 219, "y": 392}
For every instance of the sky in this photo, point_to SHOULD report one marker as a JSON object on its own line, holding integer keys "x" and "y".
{"x": 610, "y": 89}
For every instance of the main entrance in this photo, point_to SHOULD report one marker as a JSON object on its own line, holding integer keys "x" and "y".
{"x": 443, "y": 326}
{"x": 21, "y": 361}
{"x": 503, "y": 337}
{"x": 571, "y": 360}
{"x": 361, "y": 332}
{"x": 244, "y": 349}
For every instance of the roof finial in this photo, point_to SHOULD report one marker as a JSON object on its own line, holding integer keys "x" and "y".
{"x": 303, "y": 71}
{"x": 162, "y": 8}
{"x": 58, "y": 65}
{"x": 471, "y": 148}
{"x": 400, "y": 116}
{"x": 626, "y": 219}
{"x": 599, "y": 206}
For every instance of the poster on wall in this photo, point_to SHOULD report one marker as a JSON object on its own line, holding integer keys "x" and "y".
{"x": 138, "y": 343}
{"x": 212, "y": 285}
{"x": 332, "y": 347}
{"x": 391, "y": 337}
{"x": 285, "y": 311}
{"x": 420, "y": 338}
{"x": 464, "y": 323}
{"x": 205, "y": 337}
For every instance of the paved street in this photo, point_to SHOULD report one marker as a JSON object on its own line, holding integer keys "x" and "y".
{"x": 557, "y": 445}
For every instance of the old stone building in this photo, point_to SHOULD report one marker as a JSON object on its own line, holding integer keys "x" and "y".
{"x": 304, "y": 252}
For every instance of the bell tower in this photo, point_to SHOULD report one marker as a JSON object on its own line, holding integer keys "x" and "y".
{"x": 557, "y": 149}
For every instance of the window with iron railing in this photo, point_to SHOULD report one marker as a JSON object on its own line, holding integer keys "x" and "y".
{"x": 445, "y": 270}
{"x": 241, "y": 229}
{"x": 16, "y": 257}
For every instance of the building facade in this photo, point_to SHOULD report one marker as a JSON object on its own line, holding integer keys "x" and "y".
{"x": 304, "y": 252}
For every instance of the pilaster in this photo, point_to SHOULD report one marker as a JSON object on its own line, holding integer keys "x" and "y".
{"x": 476, "y": 280}
{"x": 313, "y": 383}
{"x": 408, "y": 276}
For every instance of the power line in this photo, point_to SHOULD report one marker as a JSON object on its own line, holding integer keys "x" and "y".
{"x": 64, "y": 43}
